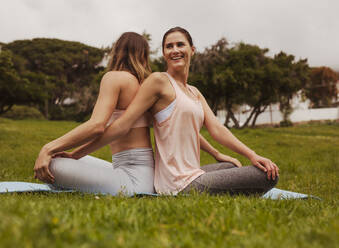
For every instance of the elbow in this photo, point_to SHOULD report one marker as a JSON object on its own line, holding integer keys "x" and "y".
{"x": 215, "y": 135}
{"x": 216, "y": 132}
{"x": 213, "y": 130}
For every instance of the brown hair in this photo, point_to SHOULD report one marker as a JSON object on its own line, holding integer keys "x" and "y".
{"x": 131, "y": 53}
{"x": 177, "y": 29}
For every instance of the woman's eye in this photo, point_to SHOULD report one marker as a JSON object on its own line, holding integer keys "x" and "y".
{"x": 169, "y": 46}
{"x": 180, "y": 44}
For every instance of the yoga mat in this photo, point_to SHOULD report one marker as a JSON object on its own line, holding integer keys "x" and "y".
{"x": 21, "y": 187}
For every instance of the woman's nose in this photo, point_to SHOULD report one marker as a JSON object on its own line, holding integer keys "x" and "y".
{"x": 175, "y": 49}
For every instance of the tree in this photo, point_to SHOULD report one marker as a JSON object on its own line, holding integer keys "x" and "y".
{"x": 60, "y": 68}
{"x": 210, "y": 74}
{"x": 148, "y": 37}
{"x": 253, "y": 82}
{"x": 292, "y": 77}
{"x": 322, "y": 88}
{"x": 13, "y": 89}
{"x": 158, "y": 64}
{"x": 245, "y": 76}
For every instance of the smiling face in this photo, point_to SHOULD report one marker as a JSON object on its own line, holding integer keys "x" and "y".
{"x": 177, "y": 51}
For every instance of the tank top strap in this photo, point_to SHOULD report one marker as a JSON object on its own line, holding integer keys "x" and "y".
{"x": 174, "y": 84}
{"x": 193, "y": 90}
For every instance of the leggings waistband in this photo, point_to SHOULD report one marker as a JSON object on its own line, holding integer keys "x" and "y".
{"x": 134, "y": 151}
{"x": 134, "y": 157}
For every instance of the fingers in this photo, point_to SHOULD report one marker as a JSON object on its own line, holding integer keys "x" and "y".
{"x": 272, "y": 170}
{"x": 276, "y": 168}
{"x": 43, "y": 174}
{"x": 269, "y": 171}
{"x": 48, "y": 175}
{"x": 59, "y": 154}
{"x": 62, "y": 155}
{"x": 236, "y": 162}
{"x": 257, "y": 164}
{"x": 267, "y": 166}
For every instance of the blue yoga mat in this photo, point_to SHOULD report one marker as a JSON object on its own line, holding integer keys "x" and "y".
{"x": 21, "y": 187}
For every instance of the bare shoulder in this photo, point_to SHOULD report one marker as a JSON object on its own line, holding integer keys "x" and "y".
{"x": 118, "y": 77}
{"x": 157, "y": 78}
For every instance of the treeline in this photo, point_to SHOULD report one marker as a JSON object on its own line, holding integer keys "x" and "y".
{"x": 245, "y": 75}
{"x": 230, "y": 77}
{"x": 61, "y": 78}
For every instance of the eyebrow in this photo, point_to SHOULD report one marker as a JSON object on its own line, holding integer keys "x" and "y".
{"x": 174, "y": 42}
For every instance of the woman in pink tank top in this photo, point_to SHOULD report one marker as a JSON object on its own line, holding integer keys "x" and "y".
{"x": 177, "y": 163}
{"x": 132, "y": 170}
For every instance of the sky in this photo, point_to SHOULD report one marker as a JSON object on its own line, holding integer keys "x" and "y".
{"x": 305, "y": 28}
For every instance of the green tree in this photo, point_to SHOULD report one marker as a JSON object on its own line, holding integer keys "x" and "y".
{"x": 245, "y": 76}
{"x": 210, "y": 74}
{"x": 252, "y": 82}
{"x": 60, "y": 68}
{"x": 158, "y": 64}
{"x": 292, "y": 77}
{"x": 322, "y": 90}
{"x": 13, "y": 89}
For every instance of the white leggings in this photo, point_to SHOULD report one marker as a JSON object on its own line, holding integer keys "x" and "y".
{"x": 131, "y": 172}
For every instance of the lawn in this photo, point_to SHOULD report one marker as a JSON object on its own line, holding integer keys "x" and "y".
{"x": 308, "y": 157}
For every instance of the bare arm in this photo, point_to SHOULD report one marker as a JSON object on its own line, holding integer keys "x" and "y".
{"x": 95, "y": 126}
{"x": 220, "y": 157}
{"x": 106, "y": 102}
{"x": 207, "y": 147}
{"x": 223, "y": 136}
{"x": 148, "y": 94}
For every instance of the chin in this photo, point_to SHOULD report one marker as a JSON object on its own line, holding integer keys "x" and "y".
{"x": 177, "y": 66}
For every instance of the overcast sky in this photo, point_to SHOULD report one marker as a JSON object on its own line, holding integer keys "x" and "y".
{"x": 304, "y": 28}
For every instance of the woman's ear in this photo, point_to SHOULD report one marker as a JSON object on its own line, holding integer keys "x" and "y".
{"x": 193, "y": 50}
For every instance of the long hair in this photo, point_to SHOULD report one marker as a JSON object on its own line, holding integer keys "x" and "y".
{"x": 131, "y": 53}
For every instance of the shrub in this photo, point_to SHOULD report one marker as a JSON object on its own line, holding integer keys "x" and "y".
{"x": 286, "y": 123}
{"x": 23, "y": 112}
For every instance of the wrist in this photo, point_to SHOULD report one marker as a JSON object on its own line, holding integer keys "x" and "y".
{"x": 251, "y": 154}
{"x": 47, "y": 149}
{"x": 215, "y": 153}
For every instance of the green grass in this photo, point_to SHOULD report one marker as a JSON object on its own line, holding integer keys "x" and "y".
{"x": 308, "y": 157}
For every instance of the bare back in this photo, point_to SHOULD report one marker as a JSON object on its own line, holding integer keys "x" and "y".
{"x": 136, "y": 137}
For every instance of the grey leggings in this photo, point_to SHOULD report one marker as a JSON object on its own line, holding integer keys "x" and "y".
{"x": 227, "y": 178}
{"x": 132, "y": 171}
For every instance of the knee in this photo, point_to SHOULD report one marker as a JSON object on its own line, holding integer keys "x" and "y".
{"x": 58, "y": 165}
{"x": 52, "y": 166}
{"x": 267, "y": 183}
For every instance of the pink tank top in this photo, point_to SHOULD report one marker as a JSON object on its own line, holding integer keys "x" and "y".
{"x": 143, "y": 121}
{"x": 177, "y": 159}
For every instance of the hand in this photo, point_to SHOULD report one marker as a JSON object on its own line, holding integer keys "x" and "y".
{"x": 224, "y": 158}
{"x": 266, "y": 165}
{"x": 63, "y": 155}
{"x": 41, "y": 170}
